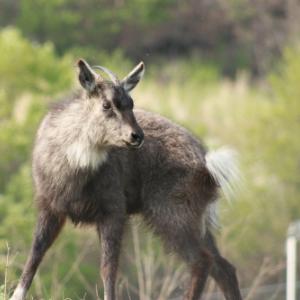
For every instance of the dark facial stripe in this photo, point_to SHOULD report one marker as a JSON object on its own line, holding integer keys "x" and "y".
{"x": 121, "y": 100}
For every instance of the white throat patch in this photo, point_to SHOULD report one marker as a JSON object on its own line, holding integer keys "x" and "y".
{"x": 81, "y": 156}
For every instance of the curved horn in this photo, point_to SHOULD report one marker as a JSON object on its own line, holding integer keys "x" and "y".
{"x": 111, "y": 75}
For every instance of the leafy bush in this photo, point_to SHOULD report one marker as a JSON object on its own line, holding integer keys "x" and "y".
{"x": 26, "y": 66}
{"x": 29, "y": 75}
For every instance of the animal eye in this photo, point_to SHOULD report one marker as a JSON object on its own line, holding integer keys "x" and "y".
{"x": 106, "y": 105}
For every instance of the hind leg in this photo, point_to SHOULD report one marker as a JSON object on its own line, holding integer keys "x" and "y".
{"x": 200, "y": 268}
{"x": 183, "y": 236}
{"x": 223, "y": 272}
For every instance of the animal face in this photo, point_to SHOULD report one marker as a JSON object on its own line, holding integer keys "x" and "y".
{"x": 112, "y": 120}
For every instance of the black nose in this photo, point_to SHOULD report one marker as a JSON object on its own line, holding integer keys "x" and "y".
{"x": 137, "y": 137}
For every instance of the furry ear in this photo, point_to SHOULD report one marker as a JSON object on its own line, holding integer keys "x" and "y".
{"x": 133, "y": 78}
{"x": 87, "y": 77}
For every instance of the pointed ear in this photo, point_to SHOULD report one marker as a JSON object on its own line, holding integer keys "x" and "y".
{"x": 133, "y": 78}
{"x": 87, "y": 77}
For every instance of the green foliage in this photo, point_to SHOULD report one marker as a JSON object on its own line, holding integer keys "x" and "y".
{"x": 92, "y": 23}
{"x": 2, "y": 293}
{"x": 29, "y": 75}
{"x": 235, "y": 34}
{"x": 283, "y": 154}
{"x": 25, "y": 66}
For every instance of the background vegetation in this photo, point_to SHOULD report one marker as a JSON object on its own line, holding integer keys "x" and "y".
{"x": 229, "y": 70}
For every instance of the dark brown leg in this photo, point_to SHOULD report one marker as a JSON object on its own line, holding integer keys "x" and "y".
{"x": 47, "y": 229}
{"x": 181, "y": 234}
{"x": 110, "y": 231}
{"x": 223, "y": 273}
{"x": 199, "y": 271}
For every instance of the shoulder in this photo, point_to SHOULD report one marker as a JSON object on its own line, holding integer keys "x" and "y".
{"x": 168, "y": 138}
{"x": 154, "y": 121}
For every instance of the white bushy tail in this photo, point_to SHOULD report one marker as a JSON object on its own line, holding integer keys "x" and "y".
{"x": 223, "y": 166}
